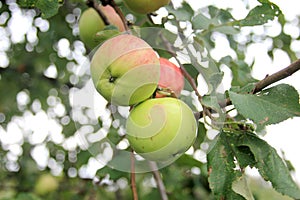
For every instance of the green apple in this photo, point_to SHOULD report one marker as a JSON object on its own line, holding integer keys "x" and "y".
{"x": 91, "y": 23}
{"x": 46, "y": 183}
{"x": 125, "y": 70}
{"x": 171, "y": 78}
{"x": 145, "y": 6}
{"x": 161, "y": 129}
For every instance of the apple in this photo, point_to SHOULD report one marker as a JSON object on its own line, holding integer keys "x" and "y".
{"x": 125, "y": 70}
{"x": 145, "y": 6}
{"x": 91, "y": 23}
{"x": 171, "y": 78}
{"x": 161, "y": 129}
{"x": 45, "y": 184}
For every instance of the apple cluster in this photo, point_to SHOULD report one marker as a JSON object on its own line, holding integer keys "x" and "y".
{"x": 127, "y": 71}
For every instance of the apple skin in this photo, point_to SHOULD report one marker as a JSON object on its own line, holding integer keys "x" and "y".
{"x": 125, "y": 70}
{"x": 171, "y": 78}
{"x": 161, "y": 129}
{"x": 145, "y": 6}
{"x": 91, "y": 23}
{"x": 45, "y": 184}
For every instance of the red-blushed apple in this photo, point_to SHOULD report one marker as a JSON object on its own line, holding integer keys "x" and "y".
{"x": 161, "y": 129}
{"x": 90, "y": 23}
{"x": 125, "y": 70}
{"x": 145, "y": 6}
{"x": 171, "y": 78}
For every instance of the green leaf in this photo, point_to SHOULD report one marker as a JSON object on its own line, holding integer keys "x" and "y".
{"x": 113, "y": 173}
{"x": 229, "y": 30}
{"x": 270, "y": 106}
{"x": 222, "y": 15}
{"x": 27, "y": 3}
{"x": 27, "y": 196}
{"x": 270, "y": 165}
{"x": 241, "y": 187}
{"x": 183, "y": 13}
{"x": 241, "y": 72}
{"x": 260, "y": 14}
{"x": 221, "y": 169}
{"x": 113, "y": 136}
{"x": 187, "y": 160}
{"x": 48, "y": 8}
{"x": 200, "y": 21}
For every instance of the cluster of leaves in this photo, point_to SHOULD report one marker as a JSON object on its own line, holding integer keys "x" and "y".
{"x": 236, "y": 146}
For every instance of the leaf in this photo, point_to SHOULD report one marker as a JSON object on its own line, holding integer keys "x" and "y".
{"x": 241, "y": 72}
{"x": 200, "y": 21}
{"x": 113, "y": 173}
{"x": 240, "y": 186}
{"x": 260, "y": 14}
{"x": 270, "y": 106}
{"x": 187, "y": 160}
{"x": 222, "y": 15}
{"x": 221, "y": 169}
{"x": 270, "y": 165}
{"x": 183, "y": 13}
{"x": 214, "y": 81}
{"x": 229, "y": 30}
{"x": 48, "y": 8}
{"x": 27, "y": 3}
{"x": 27, "y": 196}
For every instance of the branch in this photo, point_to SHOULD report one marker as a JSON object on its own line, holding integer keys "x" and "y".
{"x": 158, "y": 180}
{"x": 133, "y": 184}
{"x": 95, "y": 5}
{"x": 260, "y": 85}
{"x": 284, "y": 73}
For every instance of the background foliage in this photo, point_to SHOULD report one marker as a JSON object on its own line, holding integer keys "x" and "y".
{"x": 40, "y": 60}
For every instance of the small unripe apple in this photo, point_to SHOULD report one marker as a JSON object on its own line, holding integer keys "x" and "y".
{"x": 145, "y": 6}
{"x": 46, "y": 183}
{"x": 161, "y": 129}
{"x": 171, "y": 78}
{"x": 125, "y": 70}
{"x": 90, "y": 23}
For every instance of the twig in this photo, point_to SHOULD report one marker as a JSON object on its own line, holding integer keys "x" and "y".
{"x": 158, "y": 180}
{"x": 133, "y": 184}
{"x": 284, "y": 73}
{"x": 95, "y": 5}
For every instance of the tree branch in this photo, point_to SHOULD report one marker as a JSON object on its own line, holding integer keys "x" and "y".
{"x": 284, "y": 73}
{"x": 133, "y": 184}
{"x": 95, "y": 5}
{"x": 158, "y": 180}
{"x": 260, "y": 85}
